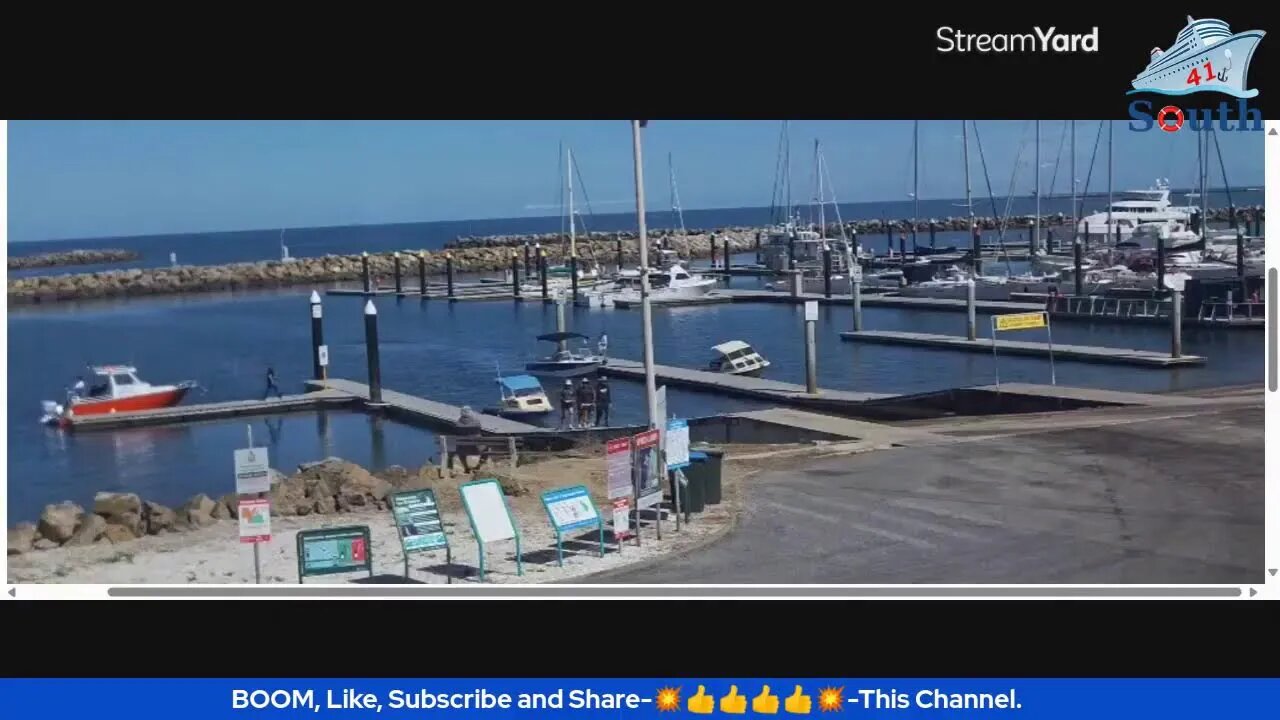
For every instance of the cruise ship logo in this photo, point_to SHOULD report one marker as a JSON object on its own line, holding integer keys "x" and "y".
{"x": 1205, "y": 57}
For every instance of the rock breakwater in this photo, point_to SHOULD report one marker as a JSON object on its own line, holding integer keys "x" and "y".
{"x": 71, "y": 257}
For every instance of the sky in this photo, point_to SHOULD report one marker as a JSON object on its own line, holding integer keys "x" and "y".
{"x": 82, "y": 179}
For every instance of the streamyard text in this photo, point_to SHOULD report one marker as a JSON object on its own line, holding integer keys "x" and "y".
{"x": 1038, "y": 40}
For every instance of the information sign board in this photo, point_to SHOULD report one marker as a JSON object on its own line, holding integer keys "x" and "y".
{"x": 334, "y": 550}
{"x": 571, "y": 509}
{"x": 618, "y": 468}
{"x": 255, "y": 520}
{"x": 417, "y": 517}
{"x": 648, "y": 484}
{"x": 677, "y": 444}
{"x": 490, "y": 518}
{"x": 253, "y": 473}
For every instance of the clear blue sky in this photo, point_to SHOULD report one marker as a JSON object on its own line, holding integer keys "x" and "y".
{"x": 90, "y": 179}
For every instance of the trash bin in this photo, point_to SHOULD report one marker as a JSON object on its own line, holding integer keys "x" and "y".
{"x": 712, "y": 485}
{"x": 692, "y": 498}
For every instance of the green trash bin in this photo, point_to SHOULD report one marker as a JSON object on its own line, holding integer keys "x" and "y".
{"x": 692, "y": 496}
{"x": 712, "y": 482}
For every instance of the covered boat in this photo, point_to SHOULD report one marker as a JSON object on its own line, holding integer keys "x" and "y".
{"x": 115, "y": 388}
{"x": 737, "y": 358}
{"x": 522, "y": 395}
{"x": 565, "y": 362}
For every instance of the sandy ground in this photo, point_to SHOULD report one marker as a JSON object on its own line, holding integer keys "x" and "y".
{"x": 215, "y": 555}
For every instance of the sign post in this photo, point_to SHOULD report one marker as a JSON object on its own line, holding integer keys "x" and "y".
{"x": 417, "y": 517}
{"x": 328, "y": 551}
{"x": 621, "y": 487}
{"x": 571, "y": 509}
{"x": 490, "y": 517}
{"x": 1021, "y": 321}
{"x": 253, "y": 479}
{"x": 660, "y": 471}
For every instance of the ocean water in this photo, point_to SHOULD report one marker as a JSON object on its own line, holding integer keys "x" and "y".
{"x": 451, "y": 352}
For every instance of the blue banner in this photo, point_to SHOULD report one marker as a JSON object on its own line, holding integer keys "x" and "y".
{"x": 670, "y": 699}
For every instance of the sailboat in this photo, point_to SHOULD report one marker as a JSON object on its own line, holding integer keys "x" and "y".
{"x": 563, "y": 270}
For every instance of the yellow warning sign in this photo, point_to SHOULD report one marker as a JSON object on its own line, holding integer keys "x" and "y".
{"x": 1022, "y": 321}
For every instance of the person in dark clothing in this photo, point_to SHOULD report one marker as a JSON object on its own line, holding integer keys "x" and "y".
{"x": 568, "y": 405}
{"x": 271, "y": 385}
{"x": 602, "y": 401}
{"x": 586, "y": 404}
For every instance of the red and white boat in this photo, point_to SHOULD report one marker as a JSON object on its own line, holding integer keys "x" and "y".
{"x": 114, "y": 388}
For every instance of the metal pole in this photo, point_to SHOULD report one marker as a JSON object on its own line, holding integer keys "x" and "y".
{"x": 713, "y": 251}
{"x": 857, "y": 306}
{"x": 1048, "y": 328}
{"x": 399, "y": 285}
{"x": 1244, "y": 284}
{"x": 317, "y": 335}
{"x": 515, "y": 275}
{"x": 971, "y": 304}
{"x": 528, "y": 267}
{"x": 933, "y": 234}
{"x": 646, "y": 310}
{"x": 968, "y": 201}
{"x": 1035, "y": 225}
{"x": 1160, "y": 260}
{"x": 257, "y": 558}
{"x": 422, "y": 274}
{"x": 1074, "y": 222}
{"x": 448, "y": 271}
{"x": 994, "y": 355}
{"x": 560, "y": 325}
{"x": 542, "y": 269}
{"x": 1112, "y": 231}
{"x": 364, "y": 270}
{"x": 371, "y": 351}
{"x": 1175, "y": 323}
{"x": 810, "y": 350}
{"x": 1079, "y": 263}
{"x": 573, "y": 276}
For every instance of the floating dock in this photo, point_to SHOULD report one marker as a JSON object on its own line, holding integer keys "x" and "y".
{"x": 421, "y": 410}
{"x": 306, "y": 402}
{"x": 741, "y": 386}
{"x": 1082, "y": 353}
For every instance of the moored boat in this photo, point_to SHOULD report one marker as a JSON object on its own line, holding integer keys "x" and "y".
{"x": 117, "y": 388}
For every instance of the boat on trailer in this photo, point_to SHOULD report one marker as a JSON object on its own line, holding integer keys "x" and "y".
{"x": 116, "y": 389}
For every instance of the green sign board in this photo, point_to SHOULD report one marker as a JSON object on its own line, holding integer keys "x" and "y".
{"x": 417, "y": 517}
{"x": 334, "y": 550}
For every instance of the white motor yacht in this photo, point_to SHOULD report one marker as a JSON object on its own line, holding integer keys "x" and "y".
{"x": 1132, "y": 209}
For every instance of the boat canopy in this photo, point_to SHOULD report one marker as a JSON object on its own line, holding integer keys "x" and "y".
{"x": 112, "y": 369}
{"x": 520, "y": 382}
{"x": 561, "y": 336}
{"x": 732, "y": 346}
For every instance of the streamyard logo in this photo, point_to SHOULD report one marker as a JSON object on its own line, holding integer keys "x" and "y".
{"x": 1206, "y": 57}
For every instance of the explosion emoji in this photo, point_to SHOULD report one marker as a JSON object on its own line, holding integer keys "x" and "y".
{"x": 668, "y": 699}
{"x": 831, "y": 699}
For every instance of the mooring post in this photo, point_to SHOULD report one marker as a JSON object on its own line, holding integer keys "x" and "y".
{"x": 399, "y": 285}
{"x": 448, "y": 272}
{"x": 562, "y": 345}
{"x": 977, "y": 251}
{"x": 1086, "y": 238}
{"x": 542, "y": 269}
{"x": 1160, "y": 259}
{"x": 617, "y": 250}
{"x": 1175, "y": 323}
{"x": 902, "y": 245}
{"x": 364, "y": 271}
{"x": 857, "y": 303}
{"x": 971, "y": 305}
{"x": 422, "y": 273}
{"x": 791, "y": 251}
{"x": 1079, "y": 265}
{"x": 515, "y": 275}
{"x": 1257, "y": 223}
{"x": 888, "y": 237}
{"x": 528, "y": 267}
{"x": 371, "y": 351}
{"x": 826, "y": 270}
{"x": 573, "y": 276}
{"x": 933, "y": 234}
{"x": 758, "y": 249}
{"x": 810, "y": 347}
{"x": 1244, "y": 287}
{"x": 317, "y": 335}
{"x": 713, "y": 251}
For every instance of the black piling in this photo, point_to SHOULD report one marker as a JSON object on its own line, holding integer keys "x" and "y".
{"x": 888, "y": 238}
{"x": 1257, "y": 223}
{"x": 396, "y": 271}
{"x": 573, "y": 275}
{"x": 617, "y": 250}
{"x": 933, "y": 234}
{"x": 515, "y": 274}
{"x": 914, "y": 242}
{"x": 791, "y": 251}
{"x": 758, "y": 248}
{"x": 1244, "y": 284}
{"x": 1079, "y": 264}
{"x": 976, "y": 251}
{"x": 542, "y": 271}
{"x": 1159, "y": 264}
{"x": 371, "y": 351}
{"x": 902, "y": 245}
{"x": 317, "y": 336}
{"x": 1086, "y": 238}
{"x": 1195, "y": 222}
{"x": 713, "y": 251}
{"x": 448, "y": 273}
{"x": 528, "y": 261}
{"x": 364, "y": 271}
{"x": 422, "y": 274}
{"x": 826, "y": 270}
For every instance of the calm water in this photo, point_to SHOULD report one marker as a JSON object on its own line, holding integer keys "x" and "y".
{"x": 253, "y": 245}
{"x": 450, "y": 352}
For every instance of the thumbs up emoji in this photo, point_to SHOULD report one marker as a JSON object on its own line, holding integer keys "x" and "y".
{"x": 799, "y": 703}
{"x": 701, "y": 703}
{"x": 733, "y": 703}
{"x": 764, "y": 703}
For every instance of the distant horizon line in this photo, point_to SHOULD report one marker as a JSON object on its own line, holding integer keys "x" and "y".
{"x": 1175, "y": 191}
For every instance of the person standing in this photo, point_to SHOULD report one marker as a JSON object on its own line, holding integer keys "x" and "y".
{"x": 586, "y": 404}
{"x": 77, "y": 390}
{"x": 602, "y": 401}
{"x": 602, "y": 348}
{"x": 272, "y": 386}
{"x": 568, "y": 401}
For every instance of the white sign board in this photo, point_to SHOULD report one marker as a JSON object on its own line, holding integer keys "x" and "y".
{"x": 255, "y": 520}
{"x": 811, "y": 310}
{"x": 677, "y": 444}
{"x": 855, "y": 273}
{"x": 322, "y": 354}
{"x": 622, "y": 518}
{"x": 1176, "y": 281}
{"x": 570, "y": 508}
{"x": 253, "y": 473}
{"x": 488, "y": 511}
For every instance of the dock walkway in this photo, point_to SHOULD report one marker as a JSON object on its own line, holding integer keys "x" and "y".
{"x": 430, "y": 412}
{"x": 1081, "y": 353}
{"x": 216, "y": 411}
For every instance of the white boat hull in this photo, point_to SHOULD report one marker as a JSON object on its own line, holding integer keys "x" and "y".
{"x": 1172, "y": 79}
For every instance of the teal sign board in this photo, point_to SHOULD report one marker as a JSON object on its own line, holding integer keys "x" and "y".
{"x": 334, "y": 550}
{"x": 418, "y": 519}
{"x": 571, "y": 509}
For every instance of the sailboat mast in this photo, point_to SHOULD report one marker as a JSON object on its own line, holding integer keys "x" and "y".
{"x": 573, "y": 232}
{"x": 1204, "y": 186}
{"x": 1073, "y": 179}
{"x": 968, "y": 189}
{"x": 915, "y": 180}
{"x": 786, "y": 134}
{"x": 822, "y": 195}
{"x": 675, "y": 194}
{"x": 1035, "y": 226}
{"x": 1111, "y": 126}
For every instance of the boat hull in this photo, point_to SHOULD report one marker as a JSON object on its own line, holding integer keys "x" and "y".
{"x": 161, "y": 398}
{"x": 1173, "y": 81}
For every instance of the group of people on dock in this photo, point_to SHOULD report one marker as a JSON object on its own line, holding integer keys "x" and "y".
{"x": 585, "y": 405}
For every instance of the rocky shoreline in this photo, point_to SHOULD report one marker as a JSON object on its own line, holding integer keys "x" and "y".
{"x": 330, "y": 486}
{"x": 71, "y": 257}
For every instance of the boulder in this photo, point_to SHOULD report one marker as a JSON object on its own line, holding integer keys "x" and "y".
{"x": 132, "y": 522}
{"x": 22, "y": 538}
{"x": 91, "y": 528}
{"x": 289, "y": 496}
{"x": 44, "y": 544}
{"x": 158, "y": 517}
{"x": 325, "y": 505}
{"x": 231, "y": 504}
{"x": 58, "y": 522}
{"x": 112, "y": 505}
{"x": 118, "y": 534}
{"x": 198, "y": 511}
{"x": 220, "y": 511}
